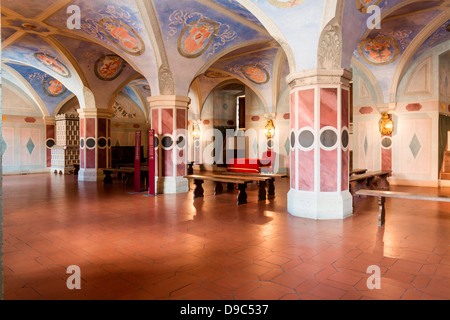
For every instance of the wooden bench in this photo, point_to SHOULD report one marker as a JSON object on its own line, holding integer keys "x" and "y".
{"x": 367, "y": 180}
{"x": 382, "y": 195}
{"x": 230, "y": 181}
{"x": 268, "y": 177}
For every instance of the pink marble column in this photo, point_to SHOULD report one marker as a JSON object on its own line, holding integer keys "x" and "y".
{"x": 169, "y": 120}
{"x": 320, "y": 144}
{"x": 95, "y": 143}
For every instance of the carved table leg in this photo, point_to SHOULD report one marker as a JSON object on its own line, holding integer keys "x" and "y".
{"x": 230, "y": 186}
{"x": 190, "y": 168}
{"x": 242, "y": 196}
{"x": 262, "y": 191}
{"x": 198, "y": 191}
{"x": 382, "y": 212}
{"x": 108, "y": 178}
{"x": 271, "y": 189}
{"x": 219, "y": 188}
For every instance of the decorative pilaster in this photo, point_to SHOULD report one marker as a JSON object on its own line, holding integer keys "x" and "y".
{"x": 320, "y": 144}
{"x": 386, "y": 150}
{"x": 95, "y": 143}
{"x": 169, "y": 120}
{"x": 50, "y": 138}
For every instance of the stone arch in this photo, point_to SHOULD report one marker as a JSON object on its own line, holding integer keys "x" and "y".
{"x": 411, "y": 50}
{"x": 35, "y": 97}
{"x": 120, "y": 88}
{"x": 235, "y": 80}
{"x": 273, "y": 30}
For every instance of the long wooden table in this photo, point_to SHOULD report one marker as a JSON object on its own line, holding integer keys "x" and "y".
{"x": 382, "y": 195}
{"x": 271, "y": 182}
{"x": 109, "y": 171}
{"x": 230, "y": 180}
{"x": 125, "y": 174}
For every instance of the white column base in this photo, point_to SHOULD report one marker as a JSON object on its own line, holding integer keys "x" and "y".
{"x": 172, "y": 185}
{"x": 320, "y": 206}
{"x": 90, "y": 175}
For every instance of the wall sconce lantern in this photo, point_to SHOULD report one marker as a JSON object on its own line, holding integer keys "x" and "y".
{"x": 386, "y": 125}
{"x": 270, "y": 129}
{"x": 196, "y": 132}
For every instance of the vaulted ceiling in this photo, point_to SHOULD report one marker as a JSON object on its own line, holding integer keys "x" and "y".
{"x": 141, "y": 47}
{"x": 407, "y": 30}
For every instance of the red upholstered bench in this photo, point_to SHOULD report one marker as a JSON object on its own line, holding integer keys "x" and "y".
{"x": 247, "y": 165}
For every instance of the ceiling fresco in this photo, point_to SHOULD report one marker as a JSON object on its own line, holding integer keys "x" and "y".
{"x": 34, "y": 51}
{"x": 441, "y": 35}
{"x": 195, "y": 33}
{"x": 135, "y": 97}
{"x": 208, "y": 40}
{"x": 27, "y": 8}
{"x": 255, "y": 70}
{"x": 126, "y": 109}
{"x": 237, "y": 8}
{"x": 9, "y": 80}
{"x": 381, "y": 49}
{"x": 117, "y": 26}
{"x": 142, "y": 86}
{"x": 51, "y": 91}
{"x": 354, "y": 25}
{"x": 104, "y": 71}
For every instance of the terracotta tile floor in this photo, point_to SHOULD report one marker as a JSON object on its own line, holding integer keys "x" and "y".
{"x": 129, "y": 246}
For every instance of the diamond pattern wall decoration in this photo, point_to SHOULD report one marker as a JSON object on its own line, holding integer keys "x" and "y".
{"x": 287, "y": 146}
{"x": 30, "y": 146}
{"x": 366, "y": 145}
{"x": 4, "y": 146}
{"x": 415, "y": 146}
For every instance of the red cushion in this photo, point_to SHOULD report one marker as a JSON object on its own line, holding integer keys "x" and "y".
{"x": 245, "y": 165}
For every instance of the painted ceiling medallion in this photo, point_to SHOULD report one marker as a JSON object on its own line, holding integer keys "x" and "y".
{"x": 214, "y": 74}
{"x": 255, "y": 74}
{"x": 196, "y": 38}
{"x": 123, "y": 36}
{"x": 379, "y": 51}
{"x": 363, "y": 5}
{"x": 28, "y": 25}
{"x": 285, "y": 3}
{"x": 109, "y": 67}
{"x": 53, "y": 87}
{"x": 53, "y": 64}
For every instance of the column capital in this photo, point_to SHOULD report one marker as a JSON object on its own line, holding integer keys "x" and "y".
{"x": 49, "y": 120}
{"x": 169, "y": 101}
{"x": 312, "y": 77}
{"x": 95, "y": 113}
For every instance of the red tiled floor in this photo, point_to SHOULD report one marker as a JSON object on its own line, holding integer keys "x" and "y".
{"x": 173, "y": 247}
